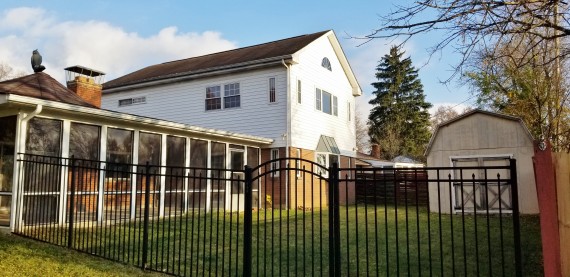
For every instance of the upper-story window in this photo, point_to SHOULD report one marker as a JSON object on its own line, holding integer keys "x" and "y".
{"x": 132, "y": 101}
{"x": 299, "y": 91}
{"x": 326, "y": 102}
{"x": 272, "y": 92}
{"x": 231, "y": 97}
{"x": 326, "y": 63}
{"x": 213, "y": 98}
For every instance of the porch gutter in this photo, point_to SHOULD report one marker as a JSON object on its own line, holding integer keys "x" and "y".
{"x": 21, "y": 148}
{"x": 288, "y": 124}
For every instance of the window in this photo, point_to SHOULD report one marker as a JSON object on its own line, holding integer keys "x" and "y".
{"x": 326, "y": 63}
{"x": 119, "y": 152}
{"x": 213, "y": 98}
{"x": 275, "y": 164}
{"x": 132, "y": 101}
{"x": 299, "y": 91}
{"x": 326, "y": 102}
{"x": 272, "y": 94}
{"x": 326, "y": 160}
{"x": 318, "y": 100}
{"x": 231, "y": 96}
{"x": 84, "y": 141}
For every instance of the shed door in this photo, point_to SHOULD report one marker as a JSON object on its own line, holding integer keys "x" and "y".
{"x": 472, "y": 192}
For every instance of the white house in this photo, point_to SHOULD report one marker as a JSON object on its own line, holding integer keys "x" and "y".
{"x": 298, "y": 91}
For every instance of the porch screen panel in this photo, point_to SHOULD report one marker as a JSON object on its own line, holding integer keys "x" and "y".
{"x": 253, "y": 161}
{"x": 42, "y": 180}
{"x": 7, "y": 152}
{"x": 175, "y": 171}
{"x": 118, "y": 173}
{"x": 218, "y": 164}
{"x": 84, "y": 145}
{"x": 197, "y": 184}
{"x": 149, "y": 152}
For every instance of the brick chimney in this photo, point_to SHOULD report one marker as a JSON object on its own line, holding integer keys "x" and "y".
{"x": 375, "y": 151}
{"x": 86, "y": 83}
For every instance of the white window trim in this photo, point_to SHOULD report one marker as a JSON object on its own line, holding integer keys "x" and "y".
{"x": 334, "y": 112}
{"x": 223, "y": 96}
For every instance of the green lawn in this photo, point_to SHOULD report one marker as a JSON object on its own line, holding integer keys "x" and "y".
{"x": 374, "y": 241}
{"x": 25, "y": 257}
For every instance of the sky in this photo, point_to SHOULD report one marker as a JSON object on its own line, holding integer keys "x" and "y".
{"x": 119, "y": 37}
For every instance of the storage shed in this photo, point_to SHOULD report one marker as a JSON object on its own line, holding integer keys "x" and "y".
{"x": 475, "y": 139}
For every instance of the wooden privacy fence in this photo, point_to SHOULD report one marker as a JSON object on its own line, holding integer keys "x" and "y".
{"x": 395, "y": 186}
{"x": 562, "y": 169}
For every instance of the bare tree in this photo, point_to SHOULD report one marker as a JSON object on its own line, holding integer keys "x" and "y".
{"x": 442, "y": 114}
{"x": 472, "y": 25}
{"x": 362, "y": 138}
{"x": 7, "y": 72}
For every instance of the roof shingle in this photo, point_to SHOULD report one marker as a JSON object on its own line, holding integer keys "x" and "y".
{"x": 43, "y": 86}
{"x": 216, "y": 60}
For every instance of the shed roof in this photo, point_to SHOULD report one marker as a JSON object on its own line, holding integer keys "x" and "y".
{"x": 43, "y": 86}
{"x": 470, "y": 113}
{"x": 177, "y": 68}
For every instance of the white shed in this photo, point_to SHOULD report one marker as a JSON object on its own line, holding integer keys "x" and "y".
{"x": 482, "y": 138}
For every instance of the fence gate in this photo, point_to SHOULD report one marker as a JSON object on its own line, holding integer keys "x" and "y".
{"x": 284, "y": 217}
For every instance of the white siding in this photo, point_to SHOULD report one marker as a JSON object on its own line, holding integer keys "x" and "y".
{"x": 185, "y": 103}
{"x": 308, "y": 124}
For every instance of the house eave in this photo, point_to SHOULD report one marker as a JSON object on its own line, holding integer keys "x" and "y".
{"x": 23, "y": 101}
{"x": 208, "y": 72}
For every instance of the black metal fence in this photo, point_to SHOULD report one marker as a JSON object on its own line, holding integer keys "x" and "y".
{"x": 284, "y": 217}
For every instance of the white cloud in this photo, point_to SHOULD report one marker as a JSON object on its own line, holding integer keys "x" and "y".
{"x": 95, "y": 44}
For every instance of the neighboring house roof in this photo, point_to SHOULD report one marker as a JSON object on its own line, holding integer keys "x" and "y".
{"x": 372, "y": 161}
{"x": 470, "y": 113}
{"x": 267, "y": 53}
{"x": 42, "y": 86}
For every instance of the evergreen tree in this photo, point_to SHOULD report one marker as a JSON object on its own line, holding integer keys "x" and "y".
{"x": 399, "y": 120}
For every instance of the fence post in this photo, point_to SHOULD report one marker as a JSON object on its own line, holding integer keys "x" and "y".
{"x": 516, "y": 219}
{"x": 248, "y": 221}
{"x": 71, "y": 203}
{"x": 146, "y": 215}
{"x": 334, "y": 221}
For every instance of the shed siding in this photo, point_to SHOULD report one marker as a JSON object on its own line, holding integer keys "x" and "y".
{"x": 184, "y": 102}
{"x": 485, "y": 135}
{"x": 308, "y": 124}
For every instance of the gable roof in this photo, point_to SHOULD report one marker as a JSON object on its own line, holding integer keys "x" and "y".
{"x": 470, "y": 113}
{"x": 276, "y": 49}
{"x": 266, "y": 54}
{"x": 42, "y": 86}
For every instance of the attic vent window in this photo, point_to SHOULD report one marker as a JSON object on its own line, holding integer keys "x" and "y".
{"x": 132, "y": 101}
{"x": 326, "y": 63}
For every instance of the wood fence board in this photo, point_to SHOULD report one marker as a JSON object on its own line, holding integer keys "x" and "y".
{"x": 562, "y": 164}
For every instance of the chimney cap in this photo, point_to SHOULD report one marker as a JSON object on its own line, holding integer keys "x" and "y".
{"x": 85, "y": 71}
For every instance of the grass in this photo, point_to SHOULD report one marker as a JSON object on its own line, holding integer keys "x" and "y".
{"x": 375, "y": 240}
{"x": 25, "y": 257}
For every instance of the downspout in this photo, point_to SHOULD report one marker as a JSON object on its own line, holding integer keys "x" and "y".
{"x": 20, "y": 148}
{"x": 288, "y": 124}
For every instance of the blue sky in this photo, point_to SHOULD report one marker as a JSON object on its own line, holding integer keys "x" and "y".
{"x": 119, "y": 37}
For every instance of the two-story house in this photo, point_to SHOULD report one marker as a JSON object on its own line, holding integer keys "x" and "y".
{"x": 298, "y": 91}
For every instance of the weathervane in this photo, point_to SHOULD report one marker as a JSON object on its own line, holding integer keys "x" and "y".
{"x": 37, "y": 61}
